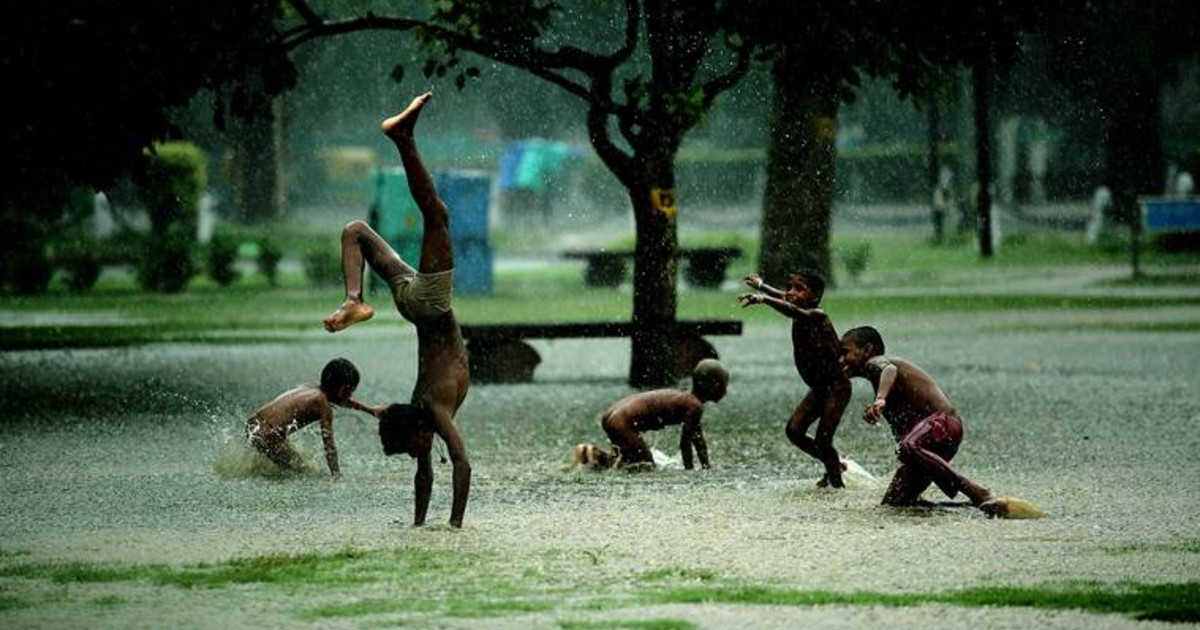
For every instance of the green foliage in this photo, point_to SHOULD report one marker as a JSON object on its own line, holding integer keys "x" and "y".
{"x": 170, "y": 188}
{"x": 166, "y": 263}
{"x": 322, "y": 266}
{"x": 222, "y": 254}
{"x": 855, "y": 258}
{"x": 269, "y": 255}
{"x": 171, "y": 185}
{"x": 80, "y": 259}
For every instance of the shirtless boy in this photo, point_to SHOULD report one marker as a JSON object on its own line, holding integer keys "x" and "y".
{"x": 927, "y": 429}
{"x": 423, "y": 297}
{"x": 268, "y": 428}
{"x": 815, "y": 349}
{"x": 626, "y": 419}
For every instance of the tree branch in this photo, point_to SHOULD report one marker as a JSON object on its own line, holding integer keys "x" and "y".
{"x": 720, "y": 83}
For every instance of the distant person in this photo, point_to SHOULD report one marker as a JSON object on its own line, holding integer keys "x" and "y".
{"x": 943, "y": 205}
{"x": 626, "y": 420}
{"x": 422, "y": 296}
{"x": 815, "y": 350}
{"x": 269, "y": 427}
{"x": 925, "y": 424}
{"x": 1184, "y": 186}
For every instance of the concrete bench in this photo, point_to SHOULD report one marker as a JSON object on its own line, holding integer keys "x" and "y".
{"x": 499, "y": 354}
{"x": 705, "y": 265}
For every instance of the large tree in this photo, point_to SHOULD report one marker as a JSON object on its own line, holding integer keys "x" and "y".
{"x": 91, "y": 86}
{"x": 647, "y": 72}
{"x": 819, "y": 51}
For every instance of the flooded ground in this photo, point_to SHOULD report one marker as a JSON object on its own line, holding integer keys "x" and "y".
{"x": 129, "y": 456}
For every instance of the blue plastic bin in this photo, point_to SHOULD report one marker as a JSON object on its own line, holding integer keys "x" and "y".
{"x": 467, "y": 194}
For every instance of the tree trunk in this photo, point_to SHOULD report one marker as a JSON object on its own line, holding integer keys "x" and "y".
{"x": 798, "y": 200}
{"x": 981, "y": 75}
{"x": 258, "y": 164}
{"x": 653, "y": 361}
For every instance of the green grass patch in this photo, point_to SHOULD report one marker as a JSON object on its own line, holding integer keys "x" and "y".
{"x": 1120, "y": 327}
{"x": 677, "y": 573}
{"x": 109, "y": 601}
{"x": 1183, "y": 547}
{"x": 1174, "y": 602}
{"x": 12, "y": 602}
{"x": 475, "y": 584}
{"x": 628, "y": 624}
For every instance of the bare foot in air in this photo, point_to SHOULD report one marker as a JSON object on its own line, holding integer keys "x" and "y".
{"x": 349, "y": 313}
{"x": 400, "y": 126}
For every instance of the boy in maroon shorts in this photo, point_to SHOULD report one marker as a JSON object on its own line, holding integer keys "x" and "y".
{"x": 924, "y": 422}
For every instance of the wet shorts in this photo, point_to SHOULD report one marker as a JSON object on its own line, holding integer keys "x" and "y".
{"x": 423, "y": 296}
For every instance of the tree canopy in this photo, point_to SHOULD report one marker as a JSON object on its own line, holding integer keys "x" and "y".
{"x": 91, "y": 84}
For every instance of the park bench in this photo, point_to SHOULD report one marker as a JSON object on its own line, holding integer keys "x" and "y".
{"x": 1162, "y": 215}
{"x": 705, "y": 265}
{"x": 499, "y": 354}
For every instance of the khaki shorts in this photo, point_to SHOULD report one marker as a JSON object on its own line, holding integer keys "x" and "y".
{"x": 423, "y": 296}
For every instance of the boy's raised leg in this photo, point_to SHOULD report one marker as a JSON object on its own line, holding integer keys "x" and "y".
{"x": 436, "y": 252}
{"x": 361, "y": 246}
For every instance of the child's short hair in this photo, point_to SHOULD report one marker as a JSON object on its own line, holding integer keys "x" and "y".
{"x": 866, "y": 334}
{"x": 397, "y": 424}
{"x": 337, "y": 373}
{"x": 708, "y": 373}
{"x": 815, "y": 281}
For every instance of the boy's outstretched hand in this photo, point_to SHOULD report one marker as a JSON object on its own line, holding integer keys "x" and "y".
{"x": 747, "y": 299}
{"x": 754, "y": 281}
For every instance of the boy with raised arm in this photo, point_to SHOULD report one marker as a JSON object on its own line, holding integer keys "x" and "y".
{"x": 925, "y": 424}
{"x": 423, "y": 297}
{"x": 815, "y": 350}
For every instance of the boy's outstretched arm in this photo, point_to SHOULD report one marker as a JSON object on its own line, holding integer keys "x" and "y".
{"x": 755, "y": 281}
{"x": 887, "y": 378}
{"x": 373, "y": 410}
{"x": 783, "y": 307}
{"x": 331, "y": 456}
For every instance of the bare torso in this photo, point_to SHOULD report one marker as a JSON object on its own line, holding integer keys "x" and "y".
{"x": 443, "y": 374}
{"x": 289, "y": 411}
{"x": 650, "y": 411}
{"x": 816, "y": 350}
{"x": 914, "y": 394}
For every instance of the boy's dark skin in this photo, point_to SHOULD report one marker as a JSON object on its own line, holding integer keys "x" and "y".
{"x": 923, "y": 420}
{"x": 626, "y": 419}
{"x": 270, "y": 425}
{"x": 816, "y": 350}
{"x": 442, "y": 375}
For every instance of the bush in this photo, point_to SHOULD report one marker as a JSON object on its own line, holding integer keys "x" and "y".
{"x": 855, "y": 258}
{"x": 166, "y": 263}
{"x": 269, "y": 255}
{"x": 170, "y": 187}
{"x": 322, "y": 267}
{"x": 79, "y": 257}
{"x": 222, "y": 254}
{"x": 29, "y": 272}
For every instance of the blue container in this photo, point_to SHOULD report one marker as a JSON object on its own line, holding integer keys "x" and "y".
{"x": 467, "y": 193}
{"x": 473, "y": 270}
